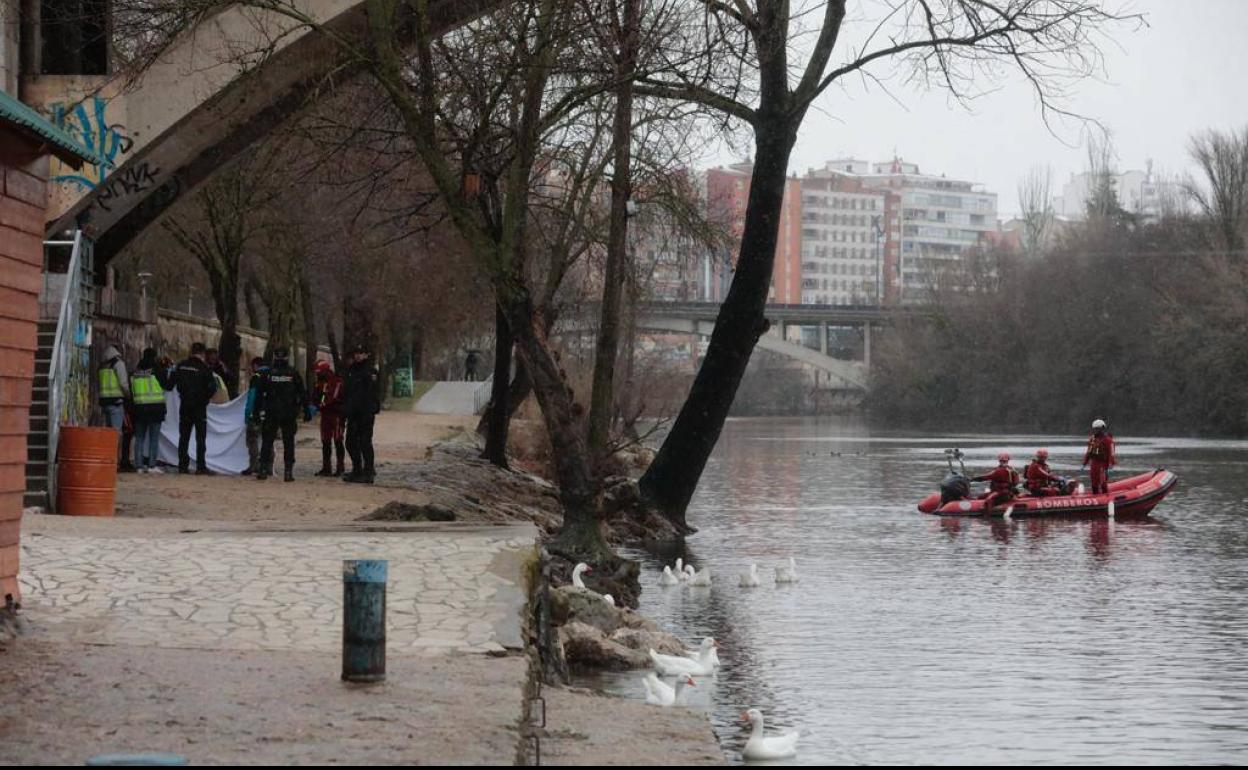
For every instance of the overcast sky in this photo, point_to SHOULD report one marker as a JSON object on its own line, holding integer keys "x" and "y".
{"x": 1185, "y": 71}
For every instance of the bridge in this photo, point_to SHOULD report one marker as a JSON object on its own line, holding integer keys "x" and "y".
{"x": 846, "y": 365}
{"x": 216, "y": 90}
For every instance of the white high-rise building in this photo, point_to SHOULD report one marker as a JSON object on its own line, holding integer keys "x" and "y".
{"x": 1141, "y": 193}
{"x": 844, "y": 237}
{"x": 941, "y": 220}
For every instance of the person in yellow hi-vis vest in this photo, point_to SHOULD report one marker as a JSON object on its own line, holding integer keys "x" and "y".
{"x": 114, "y": 391}
{"x": 147, "y": 387}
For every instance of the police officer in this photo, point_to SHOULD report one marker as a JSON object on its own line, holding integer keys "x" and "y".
{"x": 195, "y": 385}
{"x": 361, "y": 402}
{"x": 147, "y": 387}
{"x": 279, "y": 401}
{"x": 114, "y": 392}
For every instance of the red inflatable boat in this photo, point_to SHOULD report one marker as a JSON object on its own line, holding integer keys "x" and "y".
{"x": 1132, "y": 497}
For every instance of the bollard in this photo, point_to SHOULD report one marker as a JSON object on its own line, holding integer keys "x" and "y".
{"x": 364, "y": 620}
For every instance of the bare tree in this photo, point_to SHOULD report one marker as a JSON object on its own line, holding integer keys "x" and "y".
{"x": 1036, "y": 204}
{"x": 750, "y": 72}
{"x": 218, "y": 233}
{"x": 1223, "y": 195}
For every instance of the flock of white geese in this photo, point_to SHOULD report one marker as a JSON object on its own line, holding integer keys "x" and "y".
{"x": 704, "y": 660}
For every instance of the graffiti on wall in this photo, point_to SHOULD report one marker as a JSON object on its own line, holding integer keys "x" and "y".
{"x": 129, "y": 181}
{"x": 87, "y": 121}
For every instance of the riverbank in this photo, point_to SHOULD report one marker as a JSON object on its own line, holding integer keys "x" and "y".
{"x": 205, "y": 620}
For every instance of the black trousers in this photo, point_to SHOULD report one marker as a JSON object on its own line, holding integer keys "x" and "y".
{"x": 268, "y": 433}
{"x": 197, "y": 420}
{"x": 360, "y": 443}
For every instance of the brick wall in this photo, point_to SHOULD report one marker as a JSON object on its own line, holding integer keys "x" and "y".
{"x": 23, "y": 202}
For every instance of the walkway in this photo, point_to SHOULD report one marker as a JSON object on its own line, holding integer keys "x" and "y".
{"x": 450, "y": 398}
{"x": 221, "y": 642}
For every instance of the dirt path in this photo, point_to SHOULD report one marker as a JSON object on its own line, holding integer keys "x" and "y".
{"x": 401, "y": 438}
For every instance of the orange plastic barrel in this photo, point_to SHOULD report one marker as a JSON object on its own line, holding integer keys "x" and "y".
{"x": 86, "y": 474}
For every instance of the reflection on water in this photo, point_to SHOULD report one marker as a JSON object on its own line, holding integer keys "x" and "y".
{"x": 918, "y": 639}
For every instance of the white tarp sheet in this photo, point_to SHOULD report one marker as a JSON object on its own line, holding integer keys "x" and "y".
{"x": 227, "y": 435}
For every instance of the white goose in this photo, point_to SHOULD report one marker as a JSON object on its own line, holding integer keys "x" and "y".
{"x": 787, "y": 574}
{"x": 689, "y": 574}
{"x": 660, "y": 693}
{"x": 675, "y": 665}
{"x": 702, "y": 579}
{"x": 707, "y": 643}
{"x": 749, "y": 578}
{"x": 668, "y": 578}
{"x": 579, "y": 570}
{"x": 761, "y": 746}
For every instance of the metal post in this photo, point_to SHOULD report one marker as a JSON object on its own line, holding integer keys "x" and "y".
{"x": 364, "y": 620}
{"x": 823, "y": 337}
{"x": 866, "y": 346}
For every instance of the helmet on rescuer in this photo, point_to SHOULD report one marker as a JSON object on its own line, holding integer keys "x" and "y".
{"x": 1003, "y": 458}
{"x": 1042, "y": 454}
{"x": 1098, "y": 424}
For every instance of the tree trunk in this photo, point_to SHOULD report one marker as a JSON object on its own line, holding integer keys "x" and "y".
{"x": 357, "y": 324}
{"x": 581, "y": 537}
{"x": 254, "y": 317}
{"x": 602, "y": 397}
{"x": 672, "y": 478}
{"x": 230, "y": 345}
{"x": 498, "y": 414}
{"x": 334, "y": 350}
{"x": 310, "y": 344}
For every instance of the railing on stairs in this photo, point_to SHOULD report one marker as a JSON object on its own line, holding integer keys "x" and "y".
{"x": 69, "y": 367}
{"x": 481, "y": 396}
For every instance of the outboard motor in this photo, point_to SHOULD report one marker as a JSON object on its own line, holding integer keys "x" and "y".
{"x": 954, "y": 487}
{"x": 957, "y": 485}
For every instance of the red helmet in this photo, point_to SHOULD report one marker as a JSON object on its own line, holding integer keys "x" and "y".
{"x": 1003, "y": 458}
{"x": 1042, "y": 454}
{"x": 324, "y": 366}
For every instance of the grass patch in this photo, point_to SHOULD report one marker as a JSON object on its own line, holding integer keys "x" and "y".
{"x": 408, "y": 403}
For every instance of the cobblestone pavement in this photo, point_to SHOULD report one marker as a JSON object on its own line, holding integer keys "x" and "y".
{"x": 455, "y": 590}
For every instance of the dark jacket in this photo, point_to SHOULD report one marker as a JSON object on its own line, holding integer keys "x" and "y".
{"x": 280, "y": 396}
{"x": 195, "y": 385}
{"x": 361, "y": 394}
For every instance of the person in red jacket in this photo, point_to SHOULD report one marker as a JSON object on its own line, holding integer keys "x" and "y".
{"x": 1038, "y": 479}
{"x": 1100, "y": 457}
{"x": 1001, "y": 482}
{"x": 327, "y": 398}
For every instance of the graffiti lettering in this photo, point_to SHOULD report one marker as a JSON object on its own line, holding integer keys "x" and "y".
{"x": 128, "y": 181}
{"x": 87, "y": 122}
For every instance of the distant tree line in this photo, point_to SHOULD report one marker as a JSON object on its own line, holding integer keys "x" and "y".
{"x": 1137, "y": 322}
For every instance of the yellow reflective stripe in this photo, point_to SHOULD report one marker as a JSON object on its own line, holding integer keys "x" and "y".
{"x": 146, "y": 389}
{"x": 110, "y": 386}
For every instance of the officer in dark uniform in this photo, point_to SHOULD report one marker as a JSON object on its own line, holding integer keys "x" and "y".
{"x": 195, "y": 385}
{"x": 361, "y": 402}
{"x": 279, "y": 401}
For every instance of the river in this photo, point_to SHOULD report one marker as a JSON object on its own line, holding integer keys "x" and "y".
{"x": 915, "y": 639}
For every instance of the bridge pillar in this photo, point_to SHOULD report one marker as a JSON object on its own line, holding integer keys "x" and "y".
{"x": 823, "y": 337}
{"x": 866, "y": 346}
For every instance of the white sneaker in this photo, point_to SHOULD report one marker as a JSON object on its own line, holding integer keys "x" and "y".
{"x": 142, "y": 469}
{"x": 156, "y": 470}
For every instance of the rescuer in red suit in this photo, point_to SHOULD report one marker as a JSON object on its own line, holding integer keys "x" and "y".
{"x": 1038, "y": 479}
{"x": 327, "y": 398}
{"x": 1100, "y": 457}
{"x": 1001, "y": 483}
